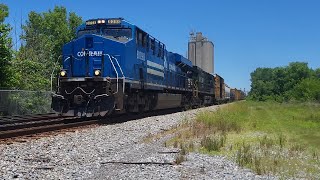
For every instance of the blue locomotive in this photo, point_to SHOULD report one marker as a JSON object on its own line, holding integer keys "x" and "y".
{"x": 114, "y": 66}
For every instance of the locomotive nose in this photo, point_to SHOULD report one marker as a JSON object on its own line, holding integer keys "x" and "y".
{"x": 87, "y": 56}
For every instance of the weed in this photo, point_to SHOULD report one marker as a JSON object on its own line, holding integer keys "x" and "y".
{"x": 244, "y": 155}
{"x": 296, "y": 148}
{"x": 259, "y": 108}
{"x": 191, "y": 146}
{"x": 282, "y": 140}
{"x": 179, "y": 136}
{"x": 266, "y": 142}
{"x": 220, "y": 121}
{"x": 179, "y": 159}
{"x": 214, "y": 143}
{"x": 315, "y": 155}
{"x": 258, "y": 165}
{"x": 181, "y": 156}
{"x": 175, "y": 143}
{"x": 254, "y": 124}
{"x": 183, "y": 150}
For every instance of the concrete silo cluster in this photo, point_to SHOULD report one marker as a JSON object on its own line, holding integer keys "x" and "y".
{"x": 201, "y": 52}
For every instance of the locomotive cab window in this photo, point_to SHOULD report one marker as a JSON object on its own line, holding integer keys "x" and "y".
{"x": 88, "y": 31}
{"x": 163, "y": 52}
{"x": 160, "y": 51}
{"x": 152, "y": 45}
{"x": 144, "y": 40}
{"x": 156, "y": 48}
{"x": 147, "y": 43}
{"x": 122, "y": 34}
{"x": 141, "y": 38}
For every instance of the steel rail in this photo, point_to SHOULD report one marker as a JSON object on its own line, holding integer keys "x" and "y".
{"x": 36, "y": 126}
{"x": 36, "y": 130}
{"x": 27, "y": 118}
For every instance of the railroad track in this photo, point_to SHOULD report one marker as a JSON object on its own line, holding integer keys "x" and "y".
{"x": 16, "y": 126}
{"x": 33, "y": 125}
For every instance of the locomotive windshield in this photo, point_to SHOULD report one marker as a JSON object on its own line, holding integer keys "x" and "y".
{"x": 120, "y": 34}
{"x": 116, "y": 33}
{"x": 88, "y": 31}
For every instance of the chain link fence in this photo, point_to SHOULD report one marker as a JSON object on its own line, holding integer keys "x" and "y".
{"x": 19, "y": 102}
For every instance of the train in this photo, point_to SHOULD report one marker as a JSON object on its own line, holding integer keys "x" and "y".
{"x": 114, "y": 67}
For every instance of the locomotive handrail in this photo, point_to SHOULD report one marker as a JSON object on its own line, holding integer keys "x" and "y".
{"x": 51, "y": 77}
{"x": 115, "y": 71}
{"x": 123, "y": 77}
{"x": 118, "y": 65}
{"x": 57, "y": 95}
{"x": 67, "y": 58}
{"x": 75, "y": 58}
{"x": 111, "y": 58}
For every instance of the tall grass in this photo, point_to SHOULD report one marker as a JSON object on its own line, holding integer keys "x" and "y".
{"x": 268, "y": 137}
{"x": 213, "y": 143}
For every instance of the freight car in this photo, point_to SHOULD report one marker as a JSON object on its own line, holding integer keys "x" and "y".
{"x": 236, "y": 95}
{"x": 219, "y": 90}
{"x": 227, "y": 93}
{"x": 113, "y": 66}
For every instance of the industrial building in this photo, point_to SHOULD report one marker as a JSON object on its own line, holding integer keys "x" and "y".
{"x": 201, "y": 52}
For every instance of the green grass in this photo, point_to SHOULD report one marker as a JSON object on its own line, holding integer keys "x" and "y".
{"x": 300, "y": 122}
{"x": 268, "y": 137}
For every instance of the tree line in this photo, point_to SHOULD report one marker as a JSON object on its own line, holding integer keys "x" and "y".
{"x": 39, "y": 55}
{"x": 293, "y": 82}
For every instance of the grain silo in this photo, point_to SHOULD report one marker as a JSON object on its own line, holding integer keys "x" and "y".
{"x": 200, "y": 52}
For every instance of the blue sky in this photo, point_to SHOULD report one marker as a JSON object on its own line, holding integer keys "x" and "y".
{"x": 247, "y": 34}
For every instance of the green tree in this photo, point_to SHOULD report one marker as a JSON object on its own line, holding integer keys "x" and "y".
{"x": 307, "y": 89}
{"x": 5, "y": 48}
{"x": 281, "y": 83}
{"x": 317, "y": 72}
{"x": 296, "y": 71}
{"x": 262, "y": 86}
{"x": 43, "y": 37}
{"x": 279, "y": 79}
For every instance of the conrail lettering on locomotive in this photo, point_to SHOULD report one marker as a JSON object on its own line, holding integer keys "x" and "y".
{"x": 89, "y": 53}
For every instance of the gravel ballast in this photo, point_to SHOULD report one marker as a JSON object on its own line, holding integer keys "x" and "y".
{"x": 117, "y": 151}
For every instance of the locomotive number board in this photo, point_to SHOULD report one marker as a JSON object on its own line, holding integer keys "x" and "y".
{"x": 114, "y": 21}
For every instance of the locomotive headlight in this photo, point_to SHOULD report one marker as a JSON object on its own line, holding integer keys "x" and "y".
{"x": 99, "y": 21}
{"x": 63, "y": 73}
{"x": 97, "y": 72}
{"x": 103, "y": 21}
